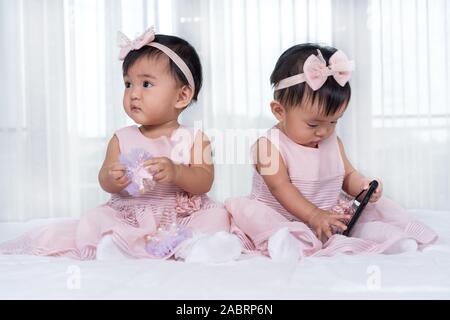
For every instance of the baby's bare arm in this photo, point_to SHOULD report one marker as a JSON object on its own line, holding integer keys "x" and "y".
{"x": 352, "y": 178}
{"x": 354, "y": 181}
{"x": 198, "y": 177}
{"x": 112, "y": 176}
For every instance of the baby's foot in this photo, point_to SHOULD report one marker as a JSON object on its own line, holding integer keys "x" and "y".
{"x": 283, "y": 246}
{"x": 186, "y": 246}
{"x": 107, "y": 250}
{"x": 219, "y": 247}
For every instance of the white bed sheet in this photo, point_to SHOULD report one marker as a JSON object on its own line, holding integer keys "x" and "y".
{"x": 417, "y": 275}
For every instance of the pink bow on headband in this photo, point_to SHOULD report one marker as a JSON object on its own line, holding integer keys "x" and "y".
{"x": 147, "y": 39}
{"x": 126, "y": 45}
{"x": 316, "y": 71}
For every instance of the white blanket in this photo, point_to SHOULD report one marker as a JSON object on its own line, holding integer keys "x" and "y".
{"x": 417, "y": 275}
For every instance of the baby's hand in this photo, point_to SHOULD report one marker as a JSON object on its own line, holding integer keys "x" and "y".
{"x": 116, "y": 175}
{"x": 321, "y": 222}
{"x": 378, "y": 192}
{"x": 163, "y": 169}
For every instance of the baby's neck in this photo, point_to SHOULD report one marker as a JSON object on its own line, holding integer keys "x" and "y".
{"x": 156, "y": 131}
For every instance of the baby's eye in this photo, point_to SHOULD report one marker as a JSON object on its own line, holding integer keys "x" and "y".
{"x": 312, "y": 125}
{"x": 127, "y": 84}
{"x": 147, "y": 84}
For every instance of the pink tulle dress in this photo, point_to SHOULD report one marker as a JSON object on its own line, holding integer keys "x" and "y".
{"x": 318, "y": 174}
{"x": 132, "y": 221}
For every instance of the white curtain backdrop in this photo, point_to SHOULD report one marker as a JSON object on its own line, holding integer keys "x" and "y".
{"x": 61, "y": 90}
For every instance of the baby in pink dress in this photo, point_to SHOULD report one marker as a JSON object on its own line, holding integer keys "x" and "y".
{"x": 301, "y": 169}
{"x": 158, "y": 173}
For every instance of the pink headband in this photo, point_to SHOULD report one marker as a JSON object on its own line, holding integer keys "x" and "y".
{"x": 146, "y": 39}
{"x": 316, "y": 71}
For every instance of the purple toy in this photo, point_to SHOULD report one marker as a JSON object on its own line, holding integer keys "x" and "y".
{"x": 165, "y": 240}
{"x": 141, "y": 179}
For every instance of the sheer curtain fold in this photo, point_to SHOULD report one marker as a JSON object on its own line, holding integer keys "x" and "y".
{"x": 33, "y": 127}
{"x": 61, "y": 89}
{"x": 397, "y": 126}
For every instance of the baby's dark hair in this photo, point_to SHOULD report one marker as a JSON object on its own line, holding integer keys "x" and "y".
{"x": 330, "y": 97}
{"x": 182, "y": 48}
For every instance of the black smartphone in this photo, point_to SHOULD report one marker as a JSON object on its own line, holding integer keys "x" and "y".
{"x": 360, "y": 205}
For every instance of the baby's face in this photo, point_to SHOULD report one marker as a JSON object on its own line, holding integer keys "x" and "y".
{"x": 307, "y": 126}
{"x": 151, "y": 92}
